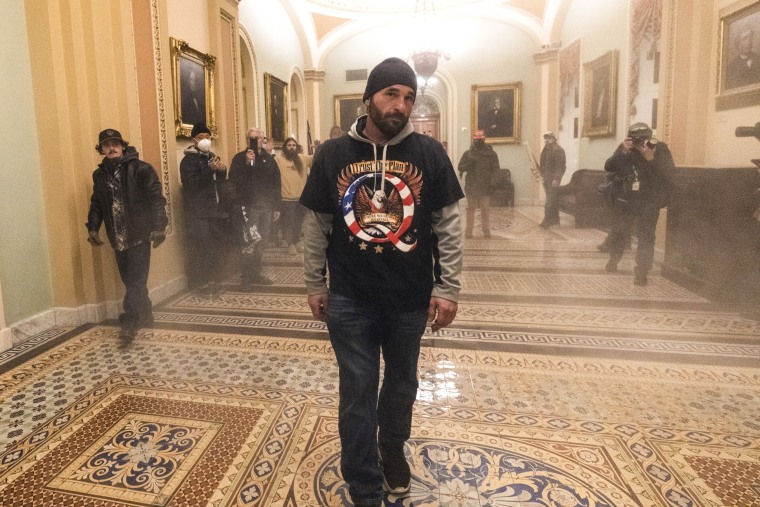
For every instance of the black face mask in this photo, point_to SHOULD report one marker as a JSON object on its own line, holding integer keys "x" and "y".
{"x": 479, "y": 143}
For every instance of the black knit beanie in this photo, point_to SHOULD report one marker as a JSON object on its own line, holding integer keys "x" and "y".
{"x": 200, "y": 128}
{"x": 389, "y": 72}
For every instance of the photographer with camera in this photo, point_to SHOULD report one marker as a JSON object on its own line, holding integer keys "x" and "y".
{"x": 257, "y": 183}
{"x": 643, "y": 168}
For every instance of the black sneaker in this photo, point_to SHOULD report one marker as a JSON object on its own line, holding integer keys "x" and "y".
{"x": 126, "y": 336}
{"x": 397, "y": 478}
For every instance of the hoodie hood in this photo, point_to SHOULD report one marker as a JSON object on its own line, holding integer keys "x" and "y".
{"x": 357, "y": 132}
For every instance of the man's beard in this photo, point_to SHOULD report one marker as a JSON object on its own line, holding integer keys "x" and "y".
{"x": 290, "y": 154}
{"x": 385, "y": 124}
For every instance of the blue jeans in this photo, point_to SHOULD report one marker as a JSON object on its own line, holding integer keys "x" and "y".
{"x": 358, "y": 334}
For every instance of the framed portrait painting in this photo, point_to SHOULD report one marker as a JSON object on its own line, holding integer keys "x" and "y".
{"x": 276, "y": 91}
{"x": 600, "y": 95}
{"x": 193, "y": 80}
{"x": 495, "y": 109}
{"x": 347, "y": 109}
{"x": 739, "y": 56}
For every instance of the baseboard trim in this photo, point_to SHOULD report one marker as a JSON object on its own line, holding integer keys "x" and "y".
{"x": 94, "y": 313}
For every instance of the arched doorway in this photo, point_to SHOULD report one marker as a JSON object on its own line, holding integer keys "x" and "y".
{"x": 426, "y": 117}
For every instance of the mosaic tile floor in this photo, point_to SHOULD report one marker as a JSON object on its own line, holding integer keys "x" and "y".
{"x": 558, "y": 385}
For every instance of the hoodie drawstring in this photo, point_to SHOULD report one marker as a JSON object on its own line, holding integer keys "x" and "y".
{"x": 384, "y": 165}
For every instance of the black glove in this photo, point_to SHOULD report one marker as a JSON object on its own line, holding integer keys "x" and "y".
{"x": 93, "y": 238}
{"x": 157, "y": 237}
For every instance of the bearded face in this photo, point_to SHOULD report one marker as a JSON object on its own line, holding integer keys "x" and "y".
{"x": 290, "y": 150}
{"x": 390, "y": 123}
{"x": 290, "y": 153}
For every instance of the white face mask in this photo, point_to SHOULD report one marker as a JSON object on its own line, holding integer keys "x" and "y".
{"x": 204, "y": 145}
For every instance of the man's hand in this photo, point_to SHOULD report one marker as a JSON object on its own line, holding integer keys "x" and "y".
{"x": 556, "y": 183}
{"x": 93, "y": 238}
{"x": 275, "y": 216}
{"x": 648, "y": 152}
{"x": 441, "y": 312}
{"x": 157, "y": 237}
{"x": 318, "y": 305}
{"x": 250, "y": 157}
{"x": 216, "y": 164}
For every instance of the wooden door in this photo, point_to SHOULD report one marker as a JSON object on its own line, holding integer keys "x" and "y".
{"x": 427, "y": 126}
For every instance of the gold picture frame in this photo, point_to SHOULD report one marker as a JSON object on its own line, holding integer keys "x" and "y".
{"x": 600, "y": 95}
{"x": 347, "y": 109}
{"x": 739, "y": 32}
{"x": 276, "y": 91}
{"x": 496, "y": 109}
{"x": 193, "y": 99}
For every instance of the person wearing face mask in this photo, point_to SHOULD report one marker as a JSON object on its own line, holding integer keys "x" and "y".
{"x": 258, "y": 191}
{"x": 127, "y": 196}
{"x": 202, "y": 173}
{"x": 481, "y": 164}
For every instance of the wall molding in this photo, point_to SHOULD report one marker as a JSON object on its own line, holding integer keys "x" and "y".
{"x": 76, "y": 316}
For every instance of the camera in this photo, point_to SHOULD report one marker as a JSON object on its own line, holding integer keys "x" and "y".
{"x": 650, "y": 142}
{"x": 253, "y": 144}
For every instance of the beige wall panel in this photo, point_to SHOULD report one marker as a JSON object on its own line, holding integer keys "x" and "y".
{"x": 228, "y": 87}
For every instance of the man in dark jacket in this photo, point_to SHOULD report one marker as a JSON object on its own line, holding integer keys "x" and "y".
{"x": 202, "y": 174}
{"x": 127, "y": 197}
{"x": 552, "y": 167}
{"x": 645, "y": 169}
{"x": 258, "y": 190}
{"x": 481, "y": 164}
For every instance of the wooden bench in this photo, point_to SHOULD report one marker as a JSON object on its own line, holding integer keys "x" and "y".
{"x": 581, "y": 199}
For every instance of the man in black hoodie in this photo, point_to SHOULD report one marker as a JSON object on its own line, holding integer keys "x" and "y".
{"x": 127, "y": 197}
{"x": 384, "y": 218}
